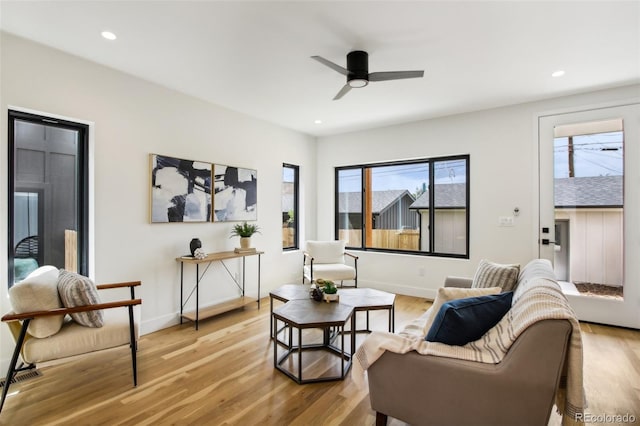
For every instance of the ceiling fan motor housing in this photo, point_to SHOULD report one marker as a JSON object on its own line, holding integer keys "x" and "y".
{"x": 358, "y": 67}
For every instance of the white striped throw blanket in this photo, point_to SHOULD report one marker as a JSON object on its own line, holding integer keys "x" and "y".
{"x": 534, "y": 300}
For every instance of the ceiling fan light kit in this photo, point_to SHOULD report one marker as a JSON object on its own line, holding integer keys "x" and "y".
{"x": 357, "y": 72}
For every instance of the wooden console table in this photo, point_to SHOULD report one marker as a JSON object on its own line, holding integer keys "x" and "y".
{"x": 218, "y": 309}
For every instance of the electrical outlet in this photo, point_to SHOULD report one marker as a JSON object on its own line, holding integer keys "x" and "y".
{"x": 505, "y": 221}
{"x": 421, "y": 272}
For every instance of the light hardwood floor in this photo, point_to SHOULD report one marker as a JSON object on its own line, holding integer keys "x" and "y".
{"x": 223, "y": 374}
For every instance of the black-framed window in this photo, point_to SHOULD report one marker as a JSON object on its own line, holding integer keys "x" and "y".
{"x": 387, "y": 206}
{"x": 290, "y": 206}
{"x": 48, "y": 200}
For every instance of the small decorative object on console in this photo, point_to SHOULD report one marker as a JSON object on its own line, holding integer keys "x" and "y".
{"x": 193, "y": 245}
{"x": 199, "y": 253}
{"x": 244, "y": 231}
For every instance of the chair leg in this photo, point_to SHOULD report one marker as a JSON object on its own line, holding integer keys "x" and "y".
{"x": 134, "y": 347}
{"x": 381, "y": 419}
{"x": 14, "y": 360}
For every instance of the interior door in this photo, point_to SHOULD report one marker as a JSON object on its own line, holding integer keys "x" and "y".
{"x": 599, "y": 202}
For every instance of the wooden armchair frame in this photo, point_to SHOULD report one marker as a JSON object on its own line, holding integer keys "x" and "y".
{"x": 19, "y": 323}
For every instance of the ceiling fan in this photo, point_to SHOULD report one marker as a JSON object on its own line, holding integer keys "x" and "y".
{"x": 357, "y": 72}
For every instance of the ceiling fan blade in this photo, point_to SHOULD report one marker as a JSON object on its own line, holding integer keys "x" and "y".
{"x": 394, "y": 75}
{"x": 331, "y": 65}
{"x": 342, "y": 92}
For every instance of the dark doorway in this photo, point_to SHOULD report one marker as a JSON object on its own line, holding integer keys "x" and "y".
{"x": 48, "y": 194}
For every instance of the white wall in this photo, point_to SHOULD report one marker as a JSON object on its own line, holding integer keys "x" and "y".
{"x": 502, "y": 144}
{"x": 133, "y": 118}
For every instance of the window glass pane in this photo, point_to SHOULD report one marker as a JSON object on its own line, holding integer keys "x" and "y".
{"x": 390, "y": 206}
{"x": 27, "y": 256}
{"x": 450, "y": 212}
{"x": 49, "y": 206}
{"x": 393, "y": 217}
{"x": 589, "y": 208}
{"x": 289, "y": 207}
{"x": 350, "y": 206}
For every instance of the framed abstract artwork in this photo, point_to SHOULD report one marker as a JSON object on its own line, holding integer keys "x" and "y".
{"x": 180, "y": 190}
{"x": 235, "y": 193}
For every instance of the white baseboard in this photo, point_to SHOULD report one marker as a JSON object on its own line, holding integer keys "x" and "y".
{"x": 159, "y": 323}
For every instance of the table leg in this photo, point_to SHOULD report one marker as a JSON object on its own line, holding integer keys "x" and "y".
{"x": 299, "y": 353}
{"x": 353, "y": 336}
{"x": 258, "y": 281}
{"x": 392, "y": 314}
{"x": 275, "y": 348}
{"x": 273, "y": 332}
{"x": 181, "y": 290}
{"x": 197, "y": 293}
{"x": 342, "y": 348}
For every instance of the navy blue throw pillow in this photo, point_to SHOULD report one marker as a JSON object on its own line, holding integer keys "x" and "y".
{"x": 461, "y": 321}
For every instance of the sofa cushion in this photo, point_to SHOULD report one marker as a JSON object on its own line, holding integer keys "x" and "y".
{"x": 75, "y": 339}
{"x": 334, "y": 272}
{"x": 38, "y": 292}
{"x": 77, "y": 290}
{"x": 491, "y": 274}
{"x": 461, "y": 321}
{"x": 326, "y": 251}
{"x": 446, "y": 294}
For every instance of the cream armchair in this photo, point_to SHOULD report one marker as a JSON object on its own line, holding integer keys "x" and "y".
{"x": 42, "y": 333}
{"x": 326, "y": 259}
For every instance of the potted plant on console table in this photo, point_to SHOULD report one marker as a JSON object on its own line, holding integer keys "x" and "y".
{"x": 244, "y": 230}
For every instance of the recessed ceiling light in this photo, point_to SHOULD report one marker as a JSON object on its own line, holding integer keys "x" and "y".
{"x": 318, "y": 121}
{"x": 558, "y": 73}
{"x": 109, "y": 35}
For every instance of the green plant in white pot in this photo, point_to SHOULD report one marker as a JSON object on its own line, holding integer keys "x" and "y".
{"x": 244, "y": 230}
{"x": 329, "y": 289}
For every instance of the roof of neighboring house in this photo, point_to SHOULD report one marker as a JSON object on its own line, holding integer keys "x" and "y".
{"x": 448, "y": 195}
{"x": 351, "y": 202}
{"x": 592, "y": 191}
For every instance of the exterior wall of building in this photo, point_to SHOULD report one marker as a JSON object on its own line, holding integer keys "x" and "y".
{"x": 595, "y": 244}
{"x": 397, "y": 216}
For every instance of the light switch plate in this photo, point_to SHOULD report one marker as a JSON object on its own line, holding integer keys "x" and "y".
{"x": 505, "y": 221}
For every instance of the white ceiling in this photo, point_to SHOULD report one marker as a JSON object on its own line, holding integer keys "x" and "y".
{"x": 254, "y": 57}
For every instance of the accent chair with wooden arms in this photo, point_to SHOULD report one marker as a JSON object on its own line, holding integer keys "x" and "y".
{"x": 326, "y": 259}
{"x": 42, "y": 333}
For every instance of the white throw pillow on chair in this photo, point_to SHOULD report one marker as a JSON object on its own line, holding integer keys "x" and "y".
{"x": 326, "y": 251}
{"x": 39, "y": 292}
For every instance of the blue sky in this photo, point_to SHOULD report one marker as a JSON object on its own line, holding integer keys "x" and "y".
{"x": 406, "y": 176}
{"x": 594, "y": 155}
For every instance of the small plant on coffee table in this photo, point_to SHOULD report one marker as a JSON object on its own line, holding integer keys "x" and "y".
{"x": 329, "y": 289}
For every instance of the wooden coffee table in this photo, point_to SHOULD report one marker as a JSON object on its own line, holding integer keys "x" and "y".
{"x": 304, "y": 314}
{"x": 362, "y": 299}
{"x": 284, "y": 294}
{"x": 369, "y": 299}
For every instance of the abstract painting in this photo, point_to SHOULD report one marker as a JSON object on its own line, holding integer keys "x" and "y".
{"x": 235, "y": 193}
{"x": 180, "y": 190}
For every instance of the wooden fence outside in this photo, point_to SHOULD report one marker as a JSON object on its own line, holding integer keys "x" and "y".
{"x": 404, "y": 239}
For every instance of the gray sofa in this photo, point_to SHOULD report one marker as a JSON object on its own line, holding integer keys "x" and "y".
{"x": 520, "y": 390}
